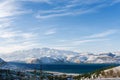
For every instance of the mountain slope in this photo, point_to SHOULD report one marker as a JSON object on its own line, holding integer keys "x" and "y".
{"x": 111, "y": 73}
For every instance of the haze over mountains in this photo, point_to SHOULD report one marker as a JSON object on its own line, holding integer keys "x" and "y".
{"x": 47, "y": 55}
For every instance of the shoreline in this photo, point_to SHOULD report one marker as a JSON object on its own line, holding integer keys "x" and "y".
{"x": 62, "y": 73}
{"x": 58, "y": 73}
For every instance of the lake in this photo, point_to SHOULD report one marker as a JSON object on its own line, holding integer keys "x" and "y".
{"x": 65, "y": 68}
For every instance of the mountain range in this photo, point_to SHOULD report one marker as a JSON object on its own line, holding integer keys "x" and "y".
{"x": 47, "y": 55}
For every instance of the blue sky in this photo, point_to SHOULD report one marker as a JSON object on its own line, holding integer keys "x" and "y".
{"x": 77, "y": 25}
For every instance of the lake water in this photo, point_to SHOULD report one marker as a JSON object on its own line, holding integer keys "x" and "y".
{"x": 66, "y": 68}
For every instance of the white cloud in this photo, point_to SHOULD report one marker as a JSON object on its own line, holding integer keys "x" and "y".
{"x": 15, "y": 47}
{"x": 50, "y": 31}
{"x": 73, "y": 7}
{"x": 95, "y": 38}
{"x": 13, "y": 39}
{"x": 4, "y": 23}
{"x": 115, "y": 2}
{"x": 40, "y": 1}
{"x": 79, "y": 42}
{"x": 103, "y": 34}
{"x": 75, "y": 44}
{"x": 61, "y": 12}
{"x": 9, "y": 8}
{"x": 7, "y": 34}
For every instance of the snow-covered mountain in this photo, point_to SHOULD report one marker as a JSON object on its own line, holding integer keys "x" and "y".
{"x": 5, "y": 65}
{"x": 2, "y": 62}
{"x": 47, "y": 55}
{"x": 37, "y": 55}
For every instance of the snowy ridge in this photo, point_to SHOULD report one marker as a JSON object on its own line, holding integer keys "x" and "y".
{"x": 47, "y": 55}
